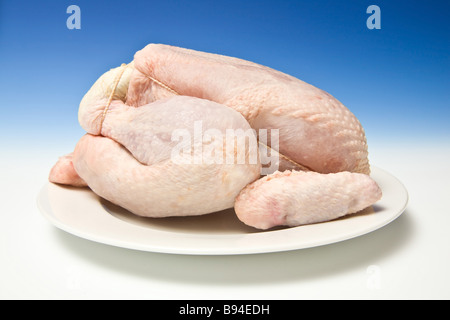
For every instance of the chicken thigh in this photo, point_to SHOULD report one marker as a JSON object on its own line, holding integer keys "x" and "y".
{"x": 172, "y": 161}
{"x": 162, "y": 189}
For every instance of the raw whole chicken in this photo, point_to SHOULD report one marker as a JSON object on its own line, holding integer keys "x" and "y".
{"x": 158, "y": 142}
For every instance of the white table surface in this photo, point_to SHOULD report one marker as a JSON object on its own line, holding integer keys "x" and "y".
{"x": 407, "y": 259}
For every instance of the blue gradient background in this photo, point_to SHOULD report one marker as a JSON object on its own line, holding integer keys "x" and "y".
{"x": 396, "y": 80}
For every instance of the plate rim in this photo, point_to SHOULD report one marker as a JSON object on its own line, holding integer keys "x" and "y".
{"x": 43, "y": 203}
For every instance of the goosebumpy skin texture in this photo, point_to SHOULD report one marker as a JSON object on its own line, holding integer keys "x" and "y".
{"x": 316, "y": 130}
{"x": 293, "y": 198}
{"x": 130, "y": 112}
{"x": 160, "y": 190}
{"x": 144, "y": 178}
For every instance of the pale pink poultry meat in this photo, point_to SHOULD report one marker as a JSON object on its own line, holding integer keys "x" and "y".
{"x": 135, "y": 166}
{"x": 159, "y": 190}
{"x": 316, "y": 130}
{"x": 131, "y": 112}
{"x": 293, "y": 198}
{"x": 63, "y": 172}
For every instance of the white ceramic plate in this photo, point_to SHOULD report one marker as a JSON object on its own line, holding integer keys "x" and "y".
{"x": 84, "y": 214}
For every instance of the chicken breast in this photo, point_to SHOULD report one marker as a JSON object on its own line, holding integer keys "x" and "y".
{"x": 315, "y": 129}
